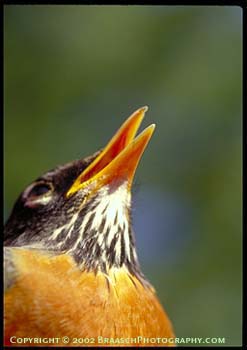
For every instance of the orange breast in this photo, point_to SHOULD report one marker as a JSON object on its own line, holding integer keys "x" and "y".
{"x": 51, "y": 298}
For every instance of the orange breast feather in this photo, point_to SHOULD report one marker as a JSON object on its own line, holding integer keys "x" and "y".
{"x": 51, "y": 297}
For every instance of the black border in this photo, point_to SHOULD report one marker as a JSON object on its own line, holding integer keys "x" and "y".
{"x": 243, "y": 5}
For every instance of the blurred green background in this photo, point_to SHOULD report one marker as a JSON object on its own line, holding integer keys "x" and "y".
{"x": 73, "y": 74}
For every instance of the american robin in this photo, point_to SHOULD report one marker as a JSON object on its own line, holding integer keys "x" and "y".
{"x": 72, "y": 275}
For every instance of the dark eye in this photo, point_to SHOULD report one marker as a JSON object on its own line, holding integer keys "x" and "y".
{"x": 39, "y": 190}
{"x": 38, "y": 194}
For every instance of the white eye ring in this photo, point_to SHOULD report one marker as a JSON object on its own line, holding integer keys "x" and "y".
{"x": 38, "y": 193}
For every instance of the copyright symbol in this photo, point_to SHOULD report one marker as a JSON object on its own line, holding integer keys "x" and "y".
{"x": 65, "y": 340}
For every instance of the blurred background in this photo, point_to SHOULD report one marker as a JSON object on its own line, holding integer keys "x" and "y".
{"x": 73, "y": 74}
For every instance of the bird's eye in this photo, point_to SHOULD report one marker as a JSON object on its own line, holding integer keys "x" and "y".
{"x": 38, "y": 194}
{"x": 39, "y": 190}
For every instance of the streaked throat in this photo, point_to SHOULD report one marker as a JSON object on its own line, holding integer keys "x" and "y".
{"x": 100, "y": 236}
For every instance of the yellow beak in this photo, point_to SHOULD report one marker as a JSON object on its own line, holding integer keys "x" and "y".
{"x": 119, "y": 159}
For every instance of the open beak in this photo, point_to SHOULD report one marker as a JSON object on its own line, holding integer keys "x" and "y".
{"x": 119, "y": 159}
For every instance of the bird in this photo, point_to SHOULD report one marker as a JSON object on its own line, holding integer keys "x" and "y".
{"x": 71, "y": 270}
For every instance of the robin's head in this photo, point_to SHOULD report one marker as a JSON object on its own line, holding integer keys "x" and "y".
{"x": 83, "y": 208}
